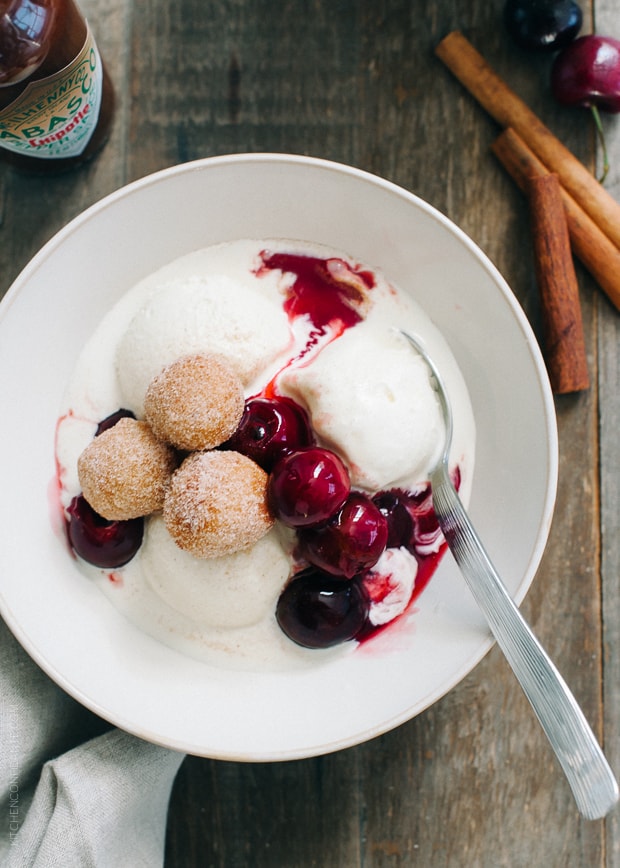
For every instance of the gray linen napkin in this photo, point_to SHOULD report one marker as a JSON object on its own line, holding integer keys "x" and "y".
{"x": 73, "y": 790}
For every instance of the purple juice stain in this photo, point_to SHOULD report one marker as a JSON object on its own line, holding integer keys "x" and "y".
{"x": 327, "y": 291}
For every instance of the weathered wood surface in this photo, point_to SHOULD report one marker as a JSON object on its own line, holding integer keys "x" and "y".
{"x": 471, "y": 781}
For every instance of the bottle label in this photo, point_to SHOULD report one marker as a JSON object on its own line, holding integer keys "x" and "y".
{"x": 55, "y": 117}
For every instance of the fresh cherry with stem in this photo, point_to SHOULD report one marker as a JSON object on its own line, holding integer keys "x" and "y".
{"x": 587, "y": 73}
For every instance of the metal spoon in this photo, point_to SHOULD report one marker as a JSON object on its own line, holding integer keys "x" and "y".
{"x": 591, "y": 779}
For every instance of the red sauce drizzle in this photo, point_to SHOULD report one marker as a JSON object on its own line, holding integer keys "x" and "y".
{"x": 329, "y": 292}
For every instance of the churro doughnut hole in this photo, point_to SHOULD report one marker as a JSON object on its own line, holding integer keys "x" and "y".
{"x": 124, "y": 471}
{"x": 216, "y": 504}
{"x": 195, "y": 402}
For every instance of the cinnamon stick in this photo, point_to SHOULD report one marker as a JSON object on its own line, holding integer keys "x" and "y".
{"x": 509, "y": 110}
{"x": 564, "y": 346}
{"x": 589, "y": 243}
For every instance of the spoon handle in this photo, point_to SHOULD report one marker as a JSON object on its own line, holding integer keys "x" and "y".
{"x": 593, "y": 784}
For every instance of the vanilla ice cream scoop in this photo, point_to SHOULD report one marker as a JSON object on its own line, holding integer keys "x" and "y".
{"x": 370, "y": 399}
{"x": 236, "y": 590}
{"x": 199, "y": 314}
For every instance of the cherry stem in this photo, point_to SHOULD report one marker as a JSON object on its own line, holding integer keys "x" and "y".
{"x": 601, "y": 135}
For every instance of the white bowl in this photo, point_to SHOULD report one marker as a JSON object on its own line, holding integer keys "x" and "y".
{"x": 70, "y": 628}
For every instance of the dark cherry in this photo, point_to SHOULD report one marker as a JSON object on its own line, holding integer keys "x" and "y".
{"x": 396, "y": 508}
{"x": 105, "y": 544}
{"x": 352, "y": 541}
{"x": 308, "y": 486}
{"x": 542, "y": 25}
{"x": 410, "y": 517}
{"x": 111, "y": 420}
{"x": 269, "y": 429}
{"x": 317, "y": 610}
{"x": 587, "y": 74}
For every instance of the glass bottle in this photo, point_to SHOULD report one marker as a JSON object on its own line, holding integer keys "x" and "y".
{"x": 56, "y": 98}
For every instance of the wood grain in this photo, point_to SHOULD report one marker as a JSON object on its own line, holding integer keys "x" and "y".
{"x": 471, "y": 781}
{"x": 609, "y": 396}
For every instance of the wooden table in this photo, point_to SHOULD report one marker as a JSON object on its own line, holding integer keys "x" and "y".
{"x": 470, "y": 782}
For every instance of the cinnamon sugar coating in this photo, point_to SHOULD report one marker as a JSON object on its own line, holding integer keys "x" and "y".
{"x": 124, "y": 471}
{"x": 216, "y": 504}
{"x": 195, "y": 403}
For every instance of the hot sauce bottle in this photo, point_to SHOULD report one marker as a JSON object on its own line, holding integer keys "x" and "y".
{"x": 56, "y": 98}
